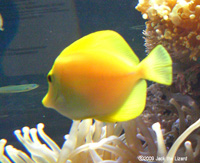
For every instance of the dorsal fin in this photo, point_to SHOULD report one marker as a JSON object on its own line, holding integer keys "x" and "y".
{"x": 108, "y": 40}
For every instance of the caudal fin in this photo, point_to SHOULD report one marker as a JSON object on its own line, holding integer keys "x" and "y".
{"x": 157, "y": 66}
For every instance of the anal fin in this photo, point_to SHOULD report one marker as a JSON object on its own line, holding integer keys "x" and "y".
{"x": 132, "y": 107}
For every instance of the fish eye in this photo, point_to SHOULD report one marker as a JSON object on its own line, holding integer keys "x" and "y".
{"x": 49, "y": 78}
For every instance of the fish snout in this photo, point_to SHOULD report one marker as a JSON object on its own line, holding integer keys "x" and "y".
{"x": 45, "y": 102}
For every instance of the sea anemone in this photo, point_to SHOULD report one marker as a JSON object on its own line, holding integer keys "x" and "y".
{"x": 176, "y": 113}
{"x": 90, "y": 141}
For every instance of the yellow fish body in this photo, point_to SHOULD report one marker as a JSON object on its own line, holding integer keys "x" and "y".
{"x": 99, "y": 76}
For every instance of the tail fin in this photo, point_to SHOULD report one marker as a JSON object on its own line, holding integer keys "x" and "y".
{"x": 157, "y": 66}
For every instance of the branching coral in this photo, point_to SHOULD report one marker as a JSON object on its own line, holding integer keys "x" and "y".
{"x": 174, "y": 24}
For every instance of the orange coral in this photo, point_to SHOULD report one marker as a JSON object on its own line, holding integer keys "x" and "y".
{"x": 175, "y": 24}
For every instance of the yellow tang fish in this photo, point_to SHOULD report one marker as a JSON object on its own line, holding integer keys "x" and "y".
{"x": 99, "y": 76}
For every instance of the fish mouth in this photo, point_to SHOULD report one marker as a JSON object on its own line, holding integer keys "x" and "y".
{"x": 49, "y": 101}
{"x": 46, "y": 102}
